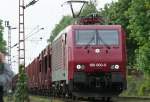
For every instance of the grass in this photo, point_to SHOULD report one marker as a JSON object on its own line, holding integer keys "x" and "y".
{"x": 35, "y": 99}
{"x": 42, "y": 99}
{"x": 137, "y": 86}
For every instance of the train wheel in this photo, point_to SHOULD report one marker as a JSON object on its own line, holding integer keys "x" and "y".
{"x": 74, "y": 98}
{"x": 91, "y": 98}
{"x": 103, "y": 99}
{"x": 108, "y": 99}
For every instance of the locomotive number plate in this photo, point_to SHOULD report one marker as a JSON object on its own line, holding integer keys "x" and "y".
{"x": 98, "y": 65}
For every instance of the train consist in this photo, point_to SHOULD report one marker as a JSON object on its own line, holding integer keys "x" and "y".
{"x": 83, "y": 60}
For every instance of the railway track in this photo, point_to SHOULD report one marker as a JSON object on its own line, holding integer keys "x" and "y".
{"x": 131, "y": 99}
{"x": 116, "y": 99}
{"x": 135, "y": 98}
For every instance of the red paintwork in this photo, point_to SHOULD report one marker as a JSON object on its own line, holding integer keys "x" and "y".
{"x": 78, "y": 54}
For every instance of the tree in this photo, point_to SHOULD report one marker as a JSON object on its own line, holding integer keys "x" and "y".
{"x": 21, "y": 93}
{"x": 65, "y": 21}
{"x": 88, "y": 9}
{"x": 2, "y": 42}
{"x": 139, "y": 14}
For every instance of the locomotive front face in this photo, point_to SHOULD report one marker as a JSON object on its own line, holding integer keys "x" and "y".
{"x": 98, "y": 58}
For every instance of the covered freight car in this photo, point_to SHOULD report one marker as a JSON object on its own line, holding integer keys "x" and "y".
{"x": 39, "y": 73}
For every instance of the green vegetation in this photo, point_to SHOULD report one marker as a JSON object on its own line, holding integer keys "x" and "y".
{"x": 88, "y": 8}
{"x": 2, "y": 42}
{"x": 35, "y": 99}
{"x": 65, "y": 21}
{"x": 21, "y": 93}
{"x": 43, "y": 99}
{"x": 139, "y": 25}
{"x": 137, "y": 86}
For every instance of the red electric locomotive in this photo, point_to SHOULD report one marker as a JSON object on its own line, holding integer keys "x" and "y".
{"x": 83, "y": 60}
{"x": 89, "y": 60}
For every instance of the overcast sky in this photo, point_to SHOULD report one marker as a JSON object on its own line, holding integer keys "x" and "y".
{"x": 44, "y": 14}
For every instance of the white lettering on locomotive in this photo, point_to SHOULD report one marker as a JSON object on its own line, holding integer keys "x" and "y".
{"x": 98, "y": 64}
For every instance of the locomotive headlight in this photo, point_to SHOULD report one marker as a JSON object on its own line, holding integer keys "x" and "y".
{"x": 116, "y": 66}
{"x": 112, "y": 67}
{"x": 82, "y": 67}
{"x": 78, "y": 66}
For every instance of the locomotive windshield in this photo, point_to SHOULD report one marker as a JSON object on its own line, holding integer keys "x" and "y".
{"x": 84, "y": 37}
{"x": 108, "y": 37}
{"x": 97, "y": 37}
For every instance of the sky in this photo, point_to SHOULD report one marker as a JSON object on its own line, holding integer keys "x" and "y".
{"x": 44, "y": 14}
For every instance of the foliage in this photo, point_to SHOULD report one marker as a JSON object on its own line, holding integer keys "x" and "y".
{"x": 88, "y": 9}
{"x": 143, "y": 58}
{"x": 139, "y": 14}
{"x": 21, "y": 94}
{"x": 132, "y": 86}
{"x": 137, "y": 86}
{"x": 65, "y": 21}
{"x": 2, "y": 42}
{"x": 145, "y": 88}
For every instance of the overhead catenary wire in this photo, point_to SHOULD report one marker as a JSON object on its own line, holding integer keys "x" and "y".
{"x": 30, "y": 34}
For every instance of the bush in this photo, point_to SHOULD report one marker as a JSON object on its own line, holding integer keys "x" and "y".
{"x": 21, "y": 93}
{"x": 137, "y": 86}
{"x": 144, "y": 90}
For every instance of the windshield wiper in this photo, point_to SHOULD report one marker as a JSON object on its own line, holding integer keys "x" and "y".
{"x": 88, "y": 44}
{"x": 100, "y": 38}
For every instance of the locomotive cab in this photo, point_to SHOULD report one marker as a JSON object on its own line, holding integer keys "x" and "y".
{"x": 96, "y": 60}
